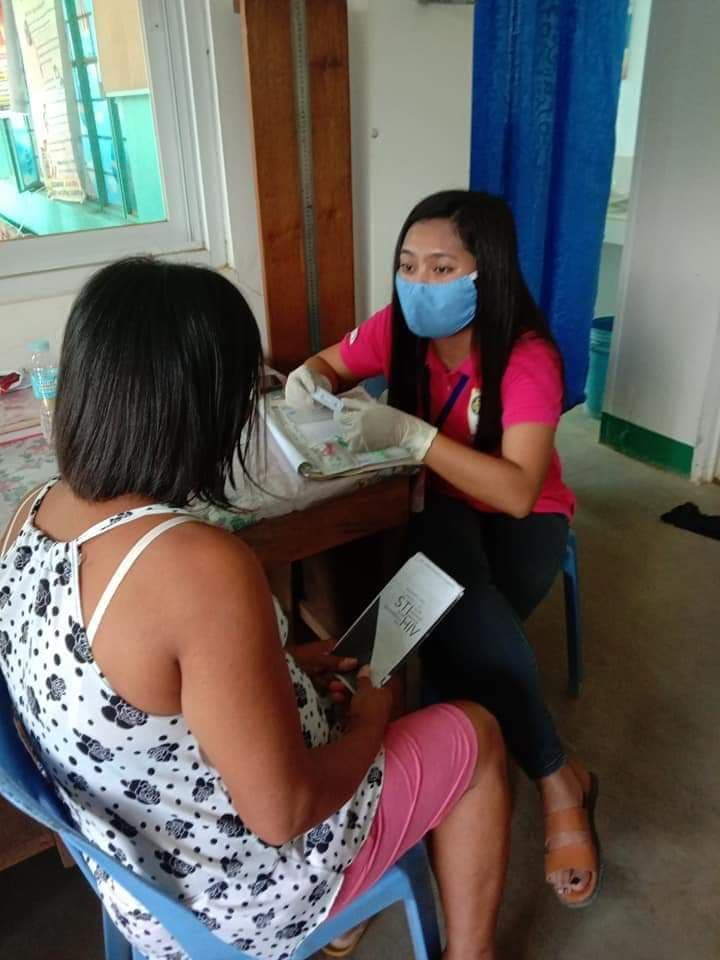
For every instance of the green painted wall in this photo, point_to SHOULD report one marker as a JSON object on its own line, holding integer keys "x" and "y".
{"x": 138, "y": 130}
{"x": 642, "y": 444}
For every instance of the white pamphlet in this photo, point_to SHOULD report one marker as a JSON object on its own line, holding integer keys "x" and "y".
{"x": 399, "y": 618}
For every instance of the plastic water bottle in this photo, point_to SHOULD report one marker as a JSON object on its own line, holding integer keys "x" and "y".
{"x": 43, "y": 377}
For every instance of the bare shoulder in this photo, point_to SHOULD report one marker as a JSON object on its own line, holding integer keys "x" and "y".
{"x": 208, "y": 553}
{"x": 203, "y": 567}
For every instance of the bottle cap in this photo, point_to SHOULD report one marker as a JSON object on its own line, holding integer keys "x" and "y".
{"x": 38, "y": 346}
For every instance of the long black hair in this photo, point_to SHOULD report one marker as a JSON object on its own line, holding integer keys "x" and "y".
{"x": 158, "y": 384}
{"x": 506, "y": 310}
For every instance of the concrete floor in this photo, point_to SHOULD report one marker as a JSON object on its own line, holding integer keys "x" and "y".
{"x": 648, "y": 722}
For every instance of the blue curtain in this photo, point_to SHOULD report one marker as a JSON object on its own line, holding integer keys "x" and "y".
{"x": 546, "y": 79}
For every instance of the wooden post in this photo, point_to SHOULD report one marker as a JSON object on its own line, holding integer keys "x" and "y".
{"x": 269, "y": 55}
{"x": 268, "y": 46}
{"x": 330, "y": 99}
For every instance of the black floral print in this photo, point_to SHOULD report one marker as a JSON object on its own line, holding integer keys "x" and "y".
{"x": 300, "y": 695}
{"x": 231, "y": 825}
{"x": 43, "y": 598}
{"x": 142, "y": 791}
{"x": 231, "y": 866}
{"x": 139, "y": 785}
{"x": 56, "y": 687}
{"x": 64, "y": 572}
{"x": 78, "y": 782}
{"x": 174, "y": 865}
{"x": 318, "y": 892}
{"x": 118, "y": 517}
{"x": 142, "y": 915}
{"x": 164, "y": 752}
{"x": 218, "y": 891}
{"x": 180, "y": 829}
{"x": 203, "y": 789}
{"x": 92, "y": 748}
{"x": 210, "y": 922}
{"x": 320, "y": 837}
{"x": 262, "y": 883}
{"x": 22, "y": 557}
{"x": 374, "y": 777}
{"x": 77, "y": 643}
{"x": 120, "y": 712}
{"x": 261, "y": 920}
{"x": 292, "y": 930}
{"x": 121, "y": 825}
{"x": 244, "y": 943}
{"x": 32, "y": 702}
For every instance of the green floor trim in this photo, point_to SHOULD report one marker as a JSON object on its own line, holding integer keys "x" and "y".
{"x": 646, "y": 445}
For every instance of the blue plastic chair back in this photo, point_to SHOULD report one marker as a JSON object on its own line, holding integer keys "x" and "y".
{"x": 23, "y": 785}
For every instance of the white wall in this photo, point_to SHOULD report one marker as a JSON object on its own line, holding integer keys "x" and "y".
{"x": 32, "y": 318}
{"x": 411, "y": 83}
{"x": 670, "y": 276}
{"x": 630, "y": 89}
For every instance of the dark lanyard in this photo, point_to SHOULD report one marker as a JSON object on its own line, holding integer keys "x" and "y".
{"x": 449, "y": 403}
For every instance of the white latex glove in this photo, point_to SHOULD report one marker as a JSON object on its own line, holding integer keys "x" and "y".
{"x": 375, "y": 426}
{"x": 302, "y": 384}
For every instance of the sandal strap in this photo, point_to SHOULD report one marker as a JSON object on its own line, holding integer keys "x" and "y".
{"x": 569, "y": 820}
{"x": 574, "y": 856}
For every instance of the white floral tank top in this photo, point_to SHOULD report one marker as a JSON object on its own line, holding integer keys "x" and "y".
{"x": 138, "y": 786}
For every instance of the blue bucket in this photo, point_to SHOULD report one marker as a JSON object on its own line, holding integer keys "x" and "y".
{"x": 600, "y": 338}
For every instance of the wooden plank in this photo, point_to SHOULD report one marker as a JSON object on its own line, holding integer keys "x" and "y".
{"x": 20, "y": 837}
{"x": 329, "y": 67}
{"x": 121, "y": 50}
{"x": 381, "y": 506}
{"x": 269, "y": 60}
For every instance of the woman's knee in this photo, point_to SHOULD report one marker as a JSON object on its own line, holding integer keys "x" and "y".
{"x": 490, "y": 742}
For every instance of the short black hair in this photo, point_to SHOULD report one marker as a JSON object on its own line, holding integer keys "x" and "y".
{"x": 158, "y": 385}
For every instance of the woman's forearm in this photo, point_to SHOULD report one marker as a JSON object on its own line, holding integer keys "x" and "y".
{"x": 496, "y": 481}
{"x": 335, "y": 772}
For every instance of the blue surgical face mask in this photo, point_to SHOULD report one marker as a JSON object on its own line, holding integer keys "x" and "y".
{"x": 436, "y": 310}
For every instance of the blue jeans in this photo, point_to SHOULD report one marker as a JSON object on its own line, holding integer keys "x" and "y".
{"x": 479, "y": 651}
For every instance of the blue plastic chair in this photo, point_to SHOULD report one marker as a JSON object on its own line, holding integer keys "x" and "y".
{"x": 573, "y": 626}
{"x": 24, "y": 786}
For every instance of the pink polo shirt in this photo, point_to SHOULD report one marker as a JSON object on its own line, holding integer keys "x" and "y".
{"x": 532, "y": 392}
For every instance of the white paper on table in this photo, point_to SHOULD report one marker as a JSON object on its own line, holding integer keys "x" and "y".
{"x": 314, "y": 442}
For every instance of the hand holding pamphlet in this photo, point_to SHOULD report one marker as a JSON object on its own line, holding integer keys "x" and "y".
{"x": 400, "y": 617}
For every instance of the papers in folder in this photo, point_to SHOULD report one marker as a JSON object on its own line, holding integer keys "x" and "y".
{"x": 315, "y": 445}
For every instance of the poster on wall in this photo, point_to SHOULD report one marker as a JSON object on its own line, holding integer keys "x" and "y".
{"x": 40, "y": 42}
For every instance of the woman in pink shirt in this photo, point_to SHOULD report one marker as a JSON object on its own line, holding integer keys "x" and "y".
{"x": 475, "y": 394}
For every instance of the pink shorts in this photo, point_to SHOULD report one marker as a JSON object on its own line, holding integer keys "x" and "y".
{"x": 430, "y": 758}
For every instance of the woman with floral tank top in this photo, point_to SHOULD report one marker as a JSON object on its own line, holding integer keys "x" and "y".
{"x": 144, "y": 656}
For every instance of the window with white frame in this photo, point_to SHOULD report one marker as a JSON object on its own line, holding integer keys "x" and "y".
{"x": 108, "y": 132}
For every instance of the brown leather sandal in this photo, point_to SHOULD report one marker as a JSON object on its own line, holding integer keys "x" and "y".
{"x": 577, "y": 855}
{"x": 353, "y": 939}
